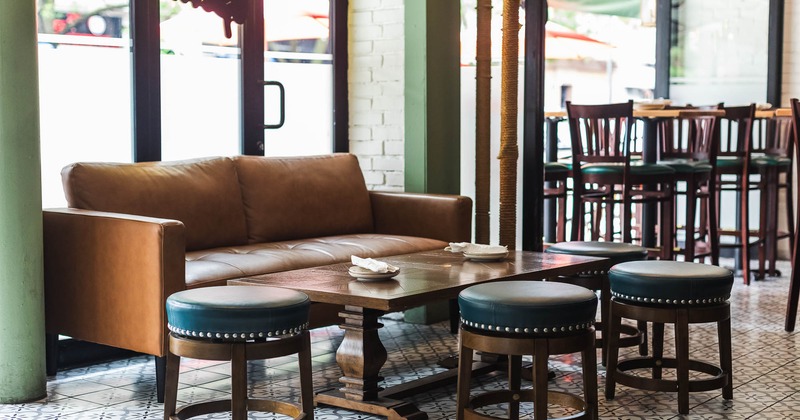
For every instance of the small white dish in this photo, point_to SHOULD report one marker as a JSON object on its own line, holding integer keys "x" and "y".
{"x": 486, "y": 256}
{"x": 363, "y": 274}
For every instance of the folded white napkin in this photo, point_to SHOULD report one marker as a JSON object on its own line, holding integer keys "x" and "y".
{"x": 471, "y": 248}
{"x": 373, "y": 265}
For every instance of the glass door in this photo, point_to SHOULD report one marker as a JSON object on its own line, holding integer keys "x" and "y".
{"x": 84, "y": 87}
{"x": 298, "y": 70}
{"x": 199, "y": 84}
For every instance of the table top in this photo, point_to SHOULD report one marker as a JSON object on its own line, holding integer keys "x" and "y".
{"x": 657, "y": 113}
{"x": 424, "y": 277}
{"x": 684, "y": 113}
{"x": 783, "y": 112}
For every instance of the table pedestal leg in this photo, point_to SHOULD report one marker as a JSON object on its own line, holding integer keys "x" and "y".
{"x": 361, "y": 372}
{"x": 361, "y": 356}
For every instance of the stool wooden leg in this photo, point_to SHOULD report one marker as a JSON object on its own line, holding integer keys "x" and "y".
{"x": 614, "y": 322}
{"x": 682, "y": 354}
{"x": 464, "y": 376}
{"x": 605, "y": 300}
{"x": 306, "y": 384}
{"x": 642, "y": 327}
{"x": 658, "y": 348}
{"x": 238, "y": 382}
{"x": 725, "y": 355}
{"x": 589, "y": 371}
{"x": 514, "y": 384}
{"x": 171, "y": 385}
{"x": 540, "y": 357}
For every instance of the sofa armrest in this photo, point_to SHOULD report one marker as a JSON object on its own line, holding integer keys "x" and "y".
{"x": 437, "y": 216}
{"x": 107, "y": 276}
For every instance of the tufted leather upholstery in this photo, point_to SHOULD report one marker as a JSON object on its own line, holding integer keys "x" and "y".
{"x": 303, "y": 197}
{"x": 670, "y": 282}
{"x": 201, "y": 193}
{"x": 216, "y": 266}
{"x": 532, "y": 307}
{"x": 237, "y": 312}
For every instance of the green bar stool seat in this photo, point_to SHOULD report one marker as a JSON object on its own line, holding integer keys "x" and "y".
{"x": 517, "y": 318}
{"x": 679, "y": 293}
{"x": 238, "y": 323}
{"x": 615, "y": 252}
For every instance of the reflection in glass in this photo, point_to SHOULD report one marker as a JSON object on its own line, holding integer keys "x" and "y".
{"x": 84, "y": 87}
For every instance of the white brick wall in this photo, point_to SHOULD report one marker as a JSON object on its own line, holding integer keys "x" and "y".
{"x": 376, "y": 91}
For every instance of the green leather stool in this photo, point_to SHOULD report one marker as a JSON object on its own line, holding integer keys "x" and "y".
{"x": 616, "y": 253}
{"x": 238, "y": 323}
{"x": 679, "y": 293}
{"x": 517, "y": 318}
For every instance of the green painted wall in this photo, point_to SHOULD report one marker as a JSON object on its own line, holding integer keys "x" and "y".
{"x": 22, "y": 362}
{"x": 432, "y": 109}
{"x": 432, "y": 96}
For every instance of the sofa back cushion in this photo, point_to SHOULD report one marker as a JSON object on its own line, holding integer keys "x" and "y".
{"x": 303, "y": 197}
{"x": 202, "y": 193}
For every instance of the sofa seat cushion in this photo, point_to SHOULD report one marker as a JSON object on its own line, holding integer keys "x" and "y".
{"x": 216, "y": 266}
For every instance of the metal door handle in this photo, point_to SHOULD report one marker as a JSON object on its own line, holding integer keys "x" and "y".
{"x": 282, "y": 103}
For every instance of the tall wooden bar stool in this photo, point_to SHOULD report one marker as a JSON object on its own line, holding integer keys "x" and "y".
{"x": 689, "y": 146}
{"x": 733, "y": 175}
{"x": 616, "y": 253}
{"x": 604, "y": 177}
{"x": 679, "y": 293}
{"x": 519, "y": 318}
{"x": 238, "y": 323}
{"x": 774, "y": 163}
{"x": 556, "y": 175}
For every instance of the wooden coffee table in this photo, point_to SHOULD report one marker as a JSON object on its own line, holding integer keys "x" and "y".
{"x": 424, "y": 277}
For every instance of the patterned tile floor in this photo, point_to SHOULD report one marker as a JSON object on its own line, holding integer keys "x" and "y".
{"x": 766, "y": 373}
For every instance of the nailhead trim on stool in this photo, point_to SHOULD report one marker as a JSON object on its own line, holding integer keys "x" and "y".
{"x": 548, "y": 318}
{"x": 678, "y": 293}
{"x": 237, "y": 324}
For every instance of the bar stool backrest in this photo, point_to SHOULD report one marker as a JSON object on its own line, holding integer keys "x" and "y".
{"x": 736, "y": 131}
{"x": 600, "y": 133}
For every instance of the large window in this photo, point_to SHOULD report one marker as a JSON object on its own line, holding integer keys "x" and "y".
{"x": 719, "y": 52}
{"x": 84, "y": 87}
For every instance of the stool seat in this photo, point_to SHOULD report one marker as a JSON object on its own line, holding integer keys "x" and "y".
{"x": 237, "y": 324}
{"x": 528, "y": 307}
{"x": 616, "y": 252}
{"x": 533, "y": 318}
{"x": 670, "y": 282}
{"x": 552, "y": 168}
{"x": 237, "y": 312}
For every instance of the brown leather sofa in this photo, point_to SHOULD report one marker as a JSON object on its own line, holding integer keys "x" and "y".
{"x": 135, "y": 233}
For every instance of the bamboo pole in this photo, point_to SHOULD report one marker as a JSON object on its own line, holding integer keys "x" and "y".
{"x": 509, "y": 150}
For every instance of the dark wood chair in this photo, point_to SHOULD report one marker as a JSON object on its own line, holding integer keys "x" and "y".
{"x": 689, "y": 146}
{"x": 772, "y": 161}
{"x": 733, "y": 175}
{"x": 794, "y": 285}
{"x": 604, "y": 176}
{"x": 556, "y": 175}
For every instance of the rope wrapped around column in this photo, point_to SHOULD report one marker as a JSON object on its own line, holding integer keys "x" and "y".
{"x": 509, "y": 150}
{"x": 483, "y": 96}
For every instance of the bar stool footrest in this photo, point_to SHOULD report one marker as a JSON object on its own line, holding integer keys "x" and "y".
{"x": 717, "y": 380}
{"x": 630, "y": 336}
{"x": 558, "y": 398}
{"x": 294, "y": 411}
